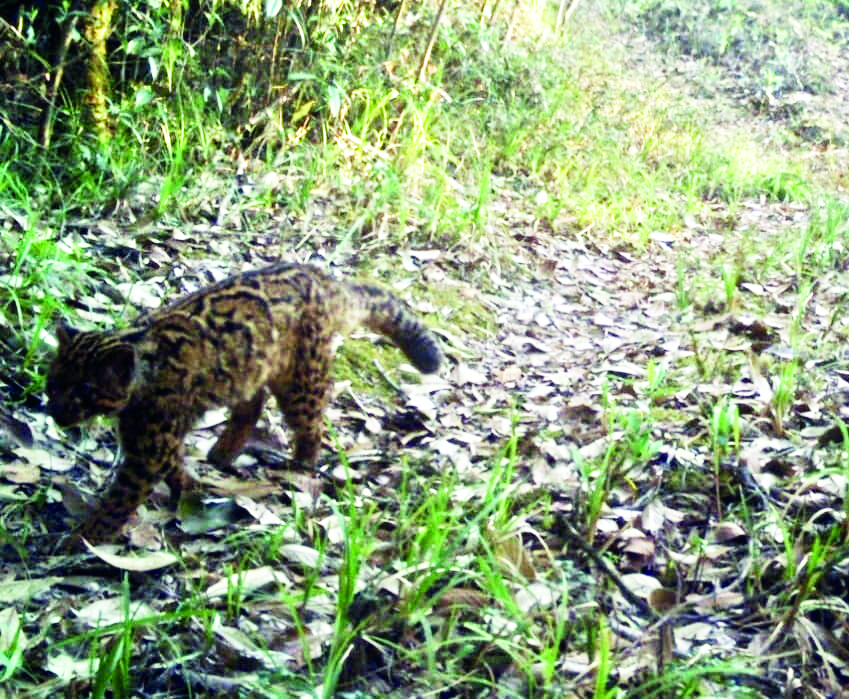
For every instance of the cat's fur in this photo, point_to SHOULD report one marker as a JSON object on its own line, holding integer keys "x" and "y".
{"x": 223, "y": 345}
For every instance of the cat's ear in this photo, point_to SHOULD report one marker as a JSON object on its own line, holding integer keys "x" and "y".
{"x": 65, "y": 333}
{"x": 119, "y": 367}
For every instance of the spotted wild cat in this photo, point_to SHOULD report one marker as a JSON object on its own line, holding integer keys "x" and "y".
{"x": 220, "y": 346}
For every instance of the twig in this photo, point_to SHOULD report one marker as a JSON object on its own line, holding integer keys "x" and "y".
{"x": 402, "y": 9}
{"x": 564, "y": 13}
{"x": 431, "y": 40}
{"x": 59, "y": 72}
{"x": 493, "y": 11}
{"x": 512, "y": 22}
{"x": 605, "y": 568}
{"x": 11, "y": 34}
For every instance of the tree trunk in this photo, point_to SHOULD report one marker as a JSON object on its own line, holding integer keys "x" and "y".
{"x": 98, "y": 27}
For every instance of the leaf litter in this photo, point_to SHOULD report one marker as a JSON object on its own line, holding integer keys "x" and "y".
{"x": 592, "y": 360}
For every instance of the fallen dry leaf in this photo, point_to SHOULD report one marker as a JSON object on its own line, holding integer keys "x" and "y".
{"x": 20, "y": 473}
{"x": 138, "y": 563}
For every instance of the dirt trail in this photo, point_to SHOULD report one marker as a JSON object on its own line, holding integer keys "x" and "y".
{"x": 603, "y": 353}
{"x": 606, "y": 348}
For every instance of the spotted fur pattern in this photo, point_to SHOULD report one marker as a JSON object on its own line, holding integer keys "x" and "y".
{"x": 223, "y": 345}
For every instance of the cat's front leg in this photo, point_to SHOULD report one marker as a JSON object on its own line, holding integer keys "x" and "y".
{"x": 152, "y": 443}
{"x": 130, "y": 487}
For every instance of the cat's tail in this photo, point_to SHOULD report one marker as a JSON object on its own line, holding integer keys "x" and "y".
{"x": 384, "y": 313}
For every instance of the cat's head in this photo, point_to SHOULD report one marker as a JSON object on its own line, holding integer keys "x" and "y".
{"x": 92, "y": 374}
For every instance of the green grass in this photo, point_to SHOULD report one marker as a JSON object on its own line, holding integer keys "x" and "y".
{"x": 451, "y": 570}
{"x": 772, "y": 58}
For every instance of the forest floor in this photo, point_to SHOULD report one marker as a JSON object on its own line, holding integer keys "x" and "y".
{"x": 632, "y": 467}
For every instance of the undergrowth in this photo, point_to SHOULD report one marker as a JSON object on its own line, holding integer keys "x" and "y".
{"x": 777, "y": 62}
{"x": 463, "y": 581}
{"x": 407, "y": 163}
